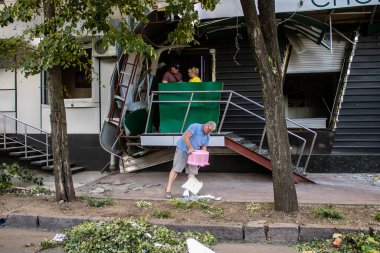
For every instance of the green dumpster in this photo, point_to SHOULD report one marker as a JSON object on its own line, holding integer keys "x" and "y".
{"x": 172, "y": 115}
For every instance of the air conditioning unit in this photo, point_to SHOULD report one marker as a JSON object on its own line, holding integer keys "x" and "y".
{"x": 99, "y": 50}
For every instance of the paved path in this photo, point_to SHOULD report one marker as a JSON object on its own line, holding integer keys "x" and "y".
{"x": 15, "y": 240}
{"x": 237, "y": 187}
{"x": 23, "y": 240}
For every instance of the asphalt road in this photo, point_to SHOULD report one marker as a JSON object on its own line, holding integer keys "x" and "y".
{"x": 14, "y": 240}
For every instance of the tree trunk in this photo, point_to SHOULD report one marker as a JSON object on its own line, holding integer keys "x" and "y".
{"x": 64, "y": 187}
{"x": 267, "y": 57}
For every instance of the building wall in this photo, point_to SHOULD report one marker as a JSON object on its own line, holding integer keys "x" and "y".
{"x": 20, "y": 97}
{"x": 28, "y": 100}
{"x": 358, "y": 126}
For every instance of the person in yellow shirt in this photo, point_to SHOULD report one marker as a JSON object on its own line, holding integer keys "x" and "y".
{"x": 193, "y": 74}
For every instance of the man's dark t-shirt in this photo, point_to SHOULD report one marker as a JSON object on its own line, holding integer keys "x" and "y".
{"x": 172, "y": 78}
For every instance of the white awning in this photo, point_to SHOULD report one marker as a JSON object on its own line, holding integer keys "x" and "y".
{"x": 232, "y": 8}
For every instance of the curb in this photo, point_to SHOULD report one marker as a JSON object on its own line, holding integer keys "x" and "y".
{"x": 254, "y": 231}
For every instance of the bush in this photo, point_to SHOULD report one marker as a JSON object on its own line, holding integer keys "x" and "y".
{"x": 377, "y": 216}
{"x": 10, "y": 173}
{"x": 329, "y": 213}
{"x": 129, "y": 235}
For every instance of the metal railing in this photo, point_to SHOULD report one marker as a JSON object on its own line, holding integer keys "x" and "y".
{"x": 10, "y": 137}
{"x": 228, "y": 102}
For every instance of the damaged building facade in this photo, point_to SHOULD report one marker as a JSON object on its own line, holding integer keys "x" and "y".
{"x": 331, "y": 64}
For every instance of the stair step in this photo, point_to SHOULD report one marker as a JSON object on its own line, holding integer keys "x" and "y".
{"x": 74, "y": 170}
{"x": 77, "y": 169}
{"x": 9, "y": 143}
{"x": 8, "y": 138}
{"x": 22, "y": 153}
{"x": 51, "y": 167}
{"x": 33, "y": 157}
{"x": 117, "y": 97}
{"x": 41, "y": 162}
{"x": 114, "y": 122}
{"x": 264, "y": 152}
{"x": 12, "y": 148}
{"x": 251, "y": 146}
{"x": 299, "y": 170}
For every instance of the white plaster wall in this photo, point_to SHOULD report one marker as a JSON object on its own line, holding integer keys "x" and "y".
{"x": 7, "y": 101}
{"x": 28, "y": 101}
{"x": 106, "y": 69}
{"x": 83, "y": 116}
{"x": 7, "y": 93}
{"x": 80, "y": 120}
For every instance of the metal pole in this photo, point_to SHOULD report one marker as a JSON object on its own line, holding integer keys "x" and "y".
{"x": 47, "y": 148}
{"x": 262, "y": 139}
{"x": 5, "y": 131}
{"x": 225, "y": 112}
{"x": 149, "y": 112}
{"x": 300, "y": 156}
{"x": 25, "y": 140}
{"x": 311, "y": 149}
{"x": 331, "y": 43}
{"x": 187, "y": 112}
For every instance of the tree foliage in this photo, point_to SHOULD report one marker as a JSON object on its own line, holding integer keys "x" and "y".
{"x": 51, "y": 42}
{"x": 58, "y": 36}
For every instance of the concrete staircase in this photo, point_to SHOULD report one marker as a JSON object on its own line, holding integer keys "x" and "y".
{"x": 260, "y": 156}
{"x": 32, "y": 155}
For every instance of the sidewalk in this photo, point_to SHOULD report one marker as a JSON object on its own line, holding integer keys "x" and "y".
{"x": 234, "y": 187}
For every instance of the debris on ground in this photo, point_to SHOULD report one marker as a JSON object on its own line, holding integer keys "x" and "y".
{"x": 343, "y": 243}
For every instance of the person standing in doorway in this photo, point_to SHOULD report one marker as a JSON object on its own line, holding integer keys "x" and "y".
{"x": 173, "y": 75}
{"x": 196, "y": 137}
{"x": 194, "y": 75}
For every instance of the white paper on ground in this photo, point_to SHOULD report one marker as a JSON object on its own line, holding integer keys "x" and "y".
{"x": 209, "y": 196}
{"x": 59, "y": 237}
{"x": 193, "y": 246}
{"x": 186, "y": 193}
{"x": 193, "y": 185}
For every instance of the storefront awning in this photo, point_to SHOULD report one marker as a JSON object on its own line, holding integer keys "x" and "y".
{"x": 230, "y": 8}
{"x": 313, "y": 29}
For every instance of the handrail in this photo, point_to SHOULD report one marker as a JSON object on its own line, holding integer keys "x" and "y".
{"x": 22, "y": 122}
{"x": 228, "y": 102}
{"x": 26, "y": 137}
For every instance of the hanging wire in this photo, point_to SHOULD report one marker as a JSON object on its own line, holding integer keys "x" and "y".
{"x": 237, "y": 37}
{"x": 295, "y": 12}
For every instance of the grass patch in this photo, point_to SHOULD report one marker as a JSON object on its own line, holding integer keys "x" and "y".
{"x": 177, "y": 203}
{"x": 328, "y": 213}
{"x": 203, "y": 205}
{"x": 377, "y": 216}
{"x": 143, "y": 204}
{"x": 216, "y": 212}
{"x": 97, "y": 203}
{"x": 162, "y": 214}
{"x": 254, "y": 207}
